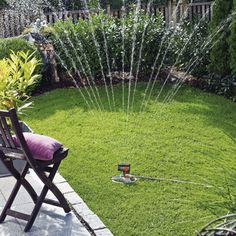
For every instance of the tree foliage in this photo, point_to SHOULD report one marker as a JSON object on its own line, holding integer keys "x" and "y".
{"x": 220, "y": 56}
{"x": 3, "y": 4}
{"x": 232, "y": 41}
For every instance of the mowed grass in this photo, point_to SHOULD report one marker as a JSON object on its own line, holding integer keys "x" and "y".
{"x": 191, "y": 139}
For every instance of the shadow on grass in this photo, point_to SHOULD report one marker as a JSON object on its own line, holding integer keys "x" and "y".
{"x": 92, "y": 99}
{"x": 217, "y": 112}
{"x": 198, "y": 103}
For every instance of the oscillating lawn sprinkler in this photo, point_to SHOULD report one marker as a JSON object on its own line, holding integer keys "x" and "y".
{"x": 125, "y": 177}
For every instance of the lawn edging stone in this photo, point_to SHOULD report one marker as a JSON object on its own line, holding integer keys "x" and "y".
{"x": 81, "y": 209}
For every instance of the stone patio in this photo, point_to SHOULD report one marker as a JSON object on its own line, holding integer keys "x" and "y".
{"x": 51, "y": 220}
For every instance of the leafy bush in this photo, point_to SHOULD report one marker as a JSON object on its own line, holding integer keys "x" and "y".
{"x": 232, "y": 40}
{"x": 220, "y": 58}
{"x": 85, "y": 43}
{"x": 18, "y": 44}
{"x": 193, "y": 49}
{"x": 80, "y": 45}
{"x": 15, "y": 45}
{"x": 17, "y": 78}
{"x": 223, "y": 86}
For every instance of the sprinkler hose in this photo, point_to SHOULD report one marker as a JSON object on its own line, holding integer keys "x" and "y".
{"x": 172, "y": 181}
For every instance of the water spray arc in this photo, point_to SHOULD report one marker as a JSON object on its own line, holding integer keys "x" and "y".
{"x": 192, "y": 64}
{"x": 155, "y": 63}
{"x": 72, "y": 61}
{"x": 107, "y": 58}
{"x": 141, "y": 52}
{"x": 135, "y": 27}
{"x": 181, "y": 52}
{"x": 163, "y": 58}
{"x": 98, "y": 52}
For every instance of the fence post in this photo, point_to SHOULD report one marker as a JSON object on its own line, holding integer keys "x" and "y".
{"x": 211, "y": 10}
{"x": 11, "y": 17}
{"x": 6, "y": 25}
{"x": 108, "y": 9}
{"x": 1, "y": 25}
{"x": 123, "y": 11}
{"x": 184, "y": 11}
{"x": 169, "y": 7}
{"x": 174, "y": 12}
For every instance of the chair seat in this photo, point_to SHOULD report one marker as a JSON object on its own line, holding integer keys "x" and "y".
{"x": 58, "y": 156}
{"x": 17, "y": 154}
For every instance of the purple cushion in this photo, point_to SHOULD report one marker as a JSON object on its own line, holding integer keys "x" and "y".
{"x": 42, "y": 147}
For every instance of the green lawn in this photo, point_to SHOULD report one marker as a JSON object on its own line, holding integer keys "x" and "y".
{"x": 192, "y": 139}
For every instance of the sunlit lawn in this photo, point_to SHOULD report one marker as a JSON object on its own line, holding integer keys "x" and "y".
{"x": 191, "y": 139}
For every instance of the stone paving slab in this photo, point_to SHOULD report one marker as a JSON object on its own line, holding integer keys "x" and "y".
{"x": 2, "y": 199}
{"x": 94, "y": 222}
{"x": 6, "y": 186}
{"x": 65, "y": 188}
{"x": 103, "y": 232}
{"x": 82, "y": 210}
{"x": 51, "y": 220}
{"x": 73, "y": 198}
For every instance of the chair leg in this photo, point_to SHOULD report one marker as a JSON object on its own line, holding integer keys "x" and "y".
{"x": 52, "y": 187}
{"x": 9, "y": 165}
{"x": 48, "y": 185}
{"x": 30, "y": 190}
{"x": 10, "y": 200}
{"x": 36, "y": 209}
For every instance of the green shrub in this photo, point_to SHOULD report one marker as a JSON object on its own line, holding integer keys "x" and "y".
{"x": 232, "y": 41}
{"x": 85, "y": 41}
{"x": 192, "y": 49}
{"x": 17, "y": 78}
{"x": 18, "y": 44}
{"x": 220, "y": 58}
{"x": 3, "y": 4}
{"x": 78, "y": 45}
{"x": 15, "y": 44}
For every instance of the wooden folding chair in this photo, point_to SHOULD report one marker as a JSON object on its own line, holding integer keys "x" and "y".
{"x": 45, "y": 170}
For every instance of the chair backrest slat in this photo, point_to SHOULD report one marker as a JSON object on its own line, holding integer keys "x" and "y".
{"x": 1, "y": 140}
{"x": 8, "y": 143}
{"x": 8, "y": 132}
{"x": 4, "y": 113}
{"x": 5, "y": 142}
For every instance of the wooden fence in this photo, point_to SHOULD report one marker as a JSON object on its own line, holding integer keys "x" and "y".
{"x": 52, "y": 17}
{"x": 12, "y": 23}
{"x": 199, "y": 10}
